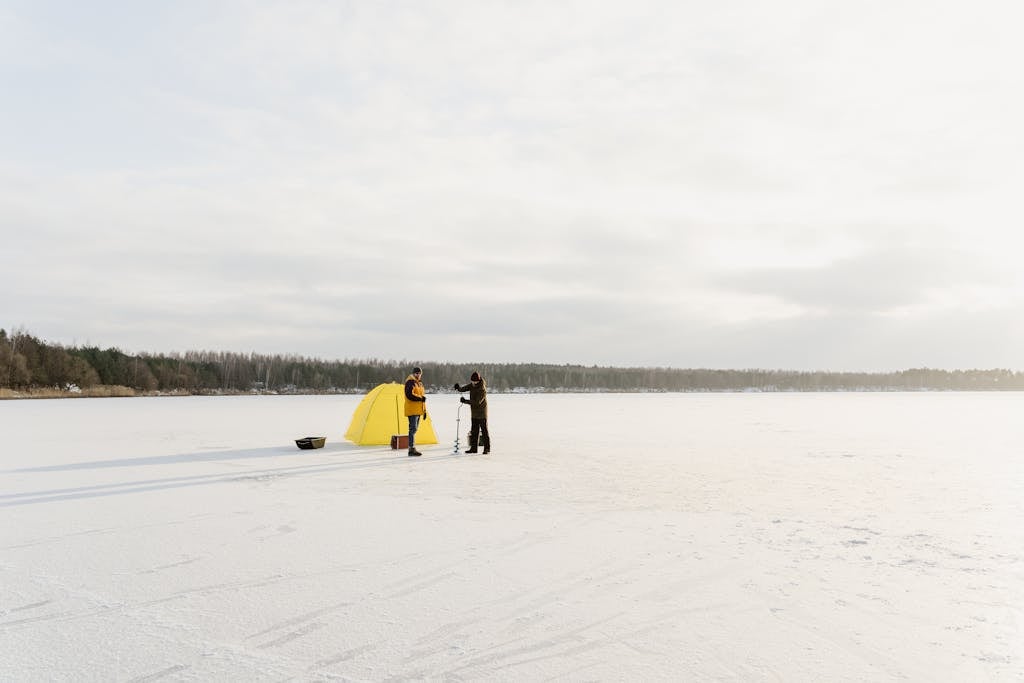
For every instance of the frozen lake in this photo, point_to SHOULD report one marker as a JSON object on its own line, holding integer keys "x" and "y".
{"x": 808, "y": 537}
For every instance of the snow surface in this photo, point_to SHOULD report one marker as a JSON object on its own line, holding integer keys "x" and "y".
{"x": 796, "y": 537}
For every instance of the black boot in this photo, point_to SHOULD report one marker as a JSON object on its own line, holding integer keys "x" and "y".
{"x": 472, "y": 443}
{"x": 487, "y": 444}
{"x": 414, "y": 452}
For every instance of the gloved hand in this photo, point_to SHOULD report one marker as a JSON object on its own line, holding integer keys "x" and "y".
{"x": 455, "y": 386}
{"x": 464, "y": 400}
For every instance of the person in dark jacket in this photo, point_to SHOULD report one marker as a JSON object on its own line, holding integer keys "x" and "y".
{"x": 477, "y": 401}
{"x": 415, "y": 406}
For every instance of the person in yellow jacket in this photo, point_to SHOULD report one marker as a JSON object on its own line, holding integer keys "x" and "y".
{"x": 415, "y": 406}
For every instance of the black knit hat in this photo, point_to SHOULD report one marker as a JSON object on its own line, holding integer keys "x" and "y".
{"x": 415, "y": 370}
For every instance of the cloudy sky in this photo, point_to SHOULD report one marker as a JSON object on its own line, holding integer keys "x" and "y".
{"x": 798, "y": 184}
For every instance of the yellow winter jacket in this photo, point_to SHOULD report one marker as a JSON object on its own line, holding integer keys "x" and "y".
{"x": 414, "y": 407}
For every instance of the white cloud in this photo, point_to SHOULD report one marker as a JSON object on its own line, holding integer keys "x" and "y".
{"x": 653, "y": 183}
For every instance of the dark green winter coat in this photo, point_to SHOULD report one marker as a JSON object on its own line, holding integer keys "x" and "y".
{"x": 477, "y": 398}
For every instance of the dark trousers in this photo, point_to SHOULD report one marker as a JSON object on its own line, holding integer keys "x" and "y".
{"x": 478, "y": 433}
{"x": 414, "y": 425}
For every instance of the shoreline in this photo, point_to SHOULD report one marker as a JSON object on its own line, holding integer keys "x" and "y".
{"x": 105, "y": 391}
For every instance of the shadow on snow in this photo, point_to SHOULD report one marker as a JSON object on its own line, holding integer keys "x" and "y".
{"x": 143, "y": 485}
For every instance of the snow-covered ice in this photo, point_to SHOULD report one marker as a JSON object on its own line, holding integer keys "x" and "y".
{"x": 796, "y": 537}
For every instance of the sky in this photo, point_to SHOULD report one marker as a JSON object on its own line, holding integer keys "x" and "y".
{"x": 799, "y": 185}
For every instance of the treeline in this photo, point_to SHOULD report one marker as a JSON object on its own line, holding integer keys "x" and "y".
{"x": 27, "y": 363}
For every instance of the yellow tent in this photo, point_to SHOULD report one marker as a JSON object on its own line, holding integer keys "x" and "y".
{"x": 381, "y": 414}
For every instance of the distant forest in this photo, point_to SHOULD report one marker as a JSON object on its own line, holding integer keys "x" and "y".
{"x": 28, "y": 364}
